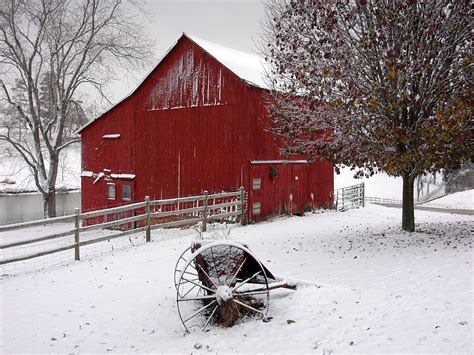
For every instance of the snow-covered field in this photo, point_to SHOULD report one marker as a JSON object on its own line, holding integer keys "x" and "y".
{"x": 379, "y": 290}
{"x": 457, "y": 200}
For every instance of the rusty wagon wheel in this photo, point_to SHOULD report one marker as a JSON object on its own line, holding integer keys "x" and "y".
{"x": 182, "y": 260}
{"x": 222, "y": 283}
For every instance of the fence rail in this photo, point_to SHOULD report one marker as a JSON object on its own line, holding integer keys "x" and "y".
{"x": 136, "y": 217}
{"x": 349, "y": 197}
{"x": 382, "y": 200}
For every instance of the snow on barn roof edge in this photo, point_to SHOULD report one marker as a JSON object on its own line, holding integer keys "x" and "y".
{"x": 248, "y": 67}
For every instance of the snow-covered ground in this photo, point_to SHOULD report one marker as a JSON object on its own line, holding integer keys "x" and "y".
{"x": 379, "y": 290}
{"x": 457, "y": 200}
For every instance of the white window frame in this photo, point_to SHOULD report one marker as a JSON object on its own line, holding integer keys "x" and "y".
{"x": 130, "y": 187}
{"x": 109, "y": 185}
{"x": 256, "y": 208}
{"x": 256, "y": 184}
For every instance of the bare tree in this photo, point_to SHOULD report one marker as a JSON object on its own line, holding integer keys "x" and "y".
{"x": 381, "y": 85}
{"x": 50, "y": 52}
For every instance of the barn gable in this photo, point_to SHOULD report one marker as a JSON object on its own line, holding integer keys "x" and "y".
{"x": 198, "y": 73}
{"x": 190, "y": 81}
{"x": 185, "y": 80}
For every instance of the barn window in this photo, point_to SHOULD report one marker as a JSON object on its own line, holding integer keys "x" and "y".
{"x": 126, "y": 192}
{"x": 256, "y": 184}
{"x": 256, "y": 208}
{"x": 111, "y": 191}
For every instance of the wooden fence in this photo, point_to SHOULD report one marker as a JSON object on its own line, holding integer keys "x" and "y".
{"x": 380, "y": 200}
{"x": 134, "y": 218}
{"x": 349, "y": 197}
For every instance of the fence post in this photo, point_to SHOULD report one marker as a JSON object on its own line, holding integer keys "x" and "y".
{"x": 363, "y": 194}
{"x": 242, "y": 205}
{"x": 343, "y": 199}
{"x": 204, "y": 213}
{"x": 291, "y": 204}
{"x": 148, "y": 219}
{"x": 77, "y": 255}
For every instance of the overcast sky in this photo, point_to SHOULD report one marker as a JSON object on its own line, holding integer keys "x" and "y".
{"x": 233, "y": 23}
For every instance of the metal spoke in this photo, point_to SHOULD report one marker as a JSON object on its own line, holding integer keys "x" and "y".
{"x": 238, "y": 270}
{"x": 247, "y": 280}
{"x": 200, "y": 310}
{"x": 186, "y": 282}
{"x": 186, "y": 272}
{"x": 190, "y": 273}
{"x": 199, "y": 285}
{"x": 205, "y": 273}
{"x": 192, "y": 288}
{"x": 210, "y": 317}
{"x": 249, "y": 307}
{"x": 248, "y": 293}
{"x": 209, "y": 297}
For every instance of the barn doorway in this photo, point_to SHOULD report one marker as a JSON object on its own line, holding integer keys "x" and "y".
{"x": 271, "y": 184}
{"x": 299, "y": 187}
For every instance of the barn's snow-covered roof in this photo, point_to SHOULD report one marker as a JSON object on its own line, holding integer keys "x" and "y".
{"x": 248, "y": 67}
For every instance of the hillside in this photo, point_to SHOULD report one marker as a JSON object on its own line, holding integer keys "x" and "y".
{"x": 457, "y": 200}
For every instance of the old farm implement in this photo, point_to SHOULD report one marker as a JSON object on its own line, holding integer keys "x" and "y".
{"x": 222, "y": 282}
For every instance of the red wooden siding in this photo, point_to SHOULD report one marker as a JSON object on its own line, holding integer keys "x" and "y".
{"x": 191, "y": 126}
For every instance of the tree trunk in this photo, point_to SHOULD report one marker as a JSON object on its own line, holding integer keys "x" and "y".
{"x": 408, "y": 208}
{"x": 49, "y": 204}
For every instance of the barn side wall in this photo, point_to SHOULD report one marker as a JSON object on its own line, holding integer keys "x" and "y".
{"x": 299, "y": 180}
{"x": 193, "y": 122}
{"x": 107, "y": 156}
{"x": 193, "y": 126}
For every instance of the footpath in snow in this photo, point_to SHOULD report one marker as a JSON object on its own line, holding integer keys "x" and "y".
{"x": 379, "y": 290}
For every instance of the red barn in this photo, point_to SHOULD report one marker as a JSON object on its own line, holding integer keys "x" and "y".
{"x": 197, "y": 122}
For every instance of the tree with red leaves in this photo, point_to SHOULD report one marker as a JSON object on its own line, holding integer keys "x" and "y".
{"x": 375, "y": 85}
